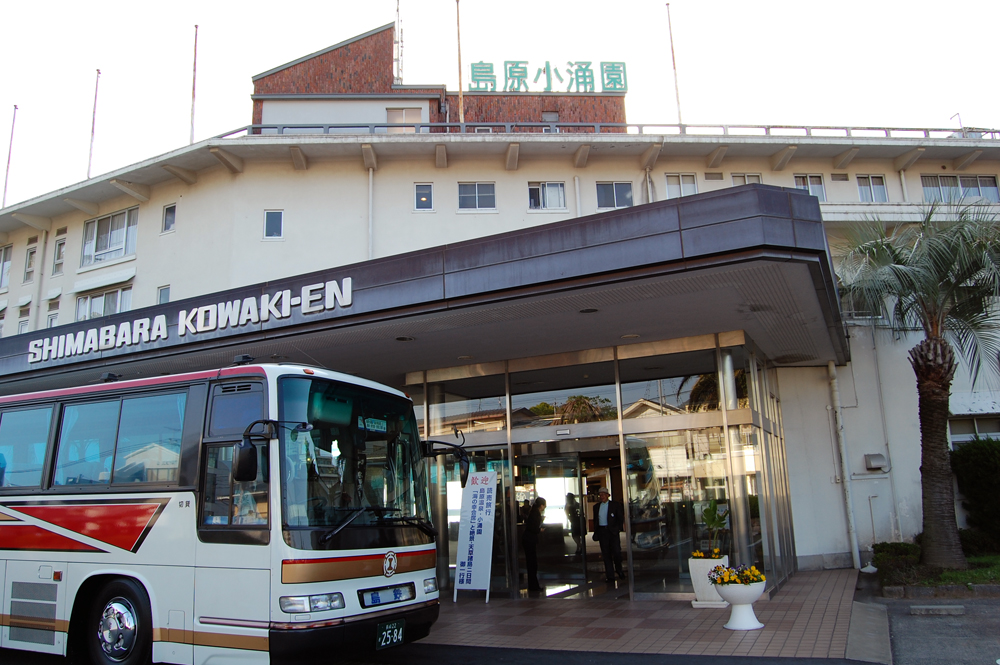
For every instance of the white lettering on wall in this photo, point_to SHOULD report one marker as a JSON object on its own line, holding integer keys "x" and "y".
{"x": 234, "y": 314}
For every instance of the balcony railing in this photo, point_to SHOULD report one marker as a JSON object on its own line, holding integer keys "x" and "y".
{"x": 783, "y": 131}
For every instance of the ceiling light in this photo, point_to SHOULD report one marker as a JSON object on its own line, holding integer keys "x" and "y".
{"x": 588, "y": 310}
{"x": 404, "y": 338}
{"x": 465, "y": 357}
{"x": 630, "y": 336}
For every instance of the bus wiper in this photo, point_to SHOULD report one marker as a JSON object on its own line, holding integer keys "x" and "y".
{"x": 418, "y": 522}
{"x": 325, "y": 538}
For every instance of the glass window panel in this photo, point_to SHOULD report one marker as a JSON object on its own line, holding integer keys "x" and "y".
{"x": 149, "y": 439}
{"x": 563, "y": 395}
{"x": 865, "y": 188}
{"x": 673, "y": 186}
{"x": 111, "y": 302}
{"x": 125, "y": 302}
{"x": 534, "y": 196}
{"x": 163, "y": 295}
{"x": 555, "y": 195}
{"x": 623, "y": 194}
{"x": 477, "y": 404}
{"x": 424, "y": 197}
{"x": 24, "y": 436}
{"x": 96, "y": 306}
{"x": 82, "y": 306}
{"x": 169, "y": 217}
{"x": 739, "y": 179}
{"x": 987, "y": 426}
{"x": 218, "y": 477}
{"x": 58, "y": 257}
{"x": 232, "y": 412}
{"x": 816, "y": 187}
{"x": 802, "y": 182}
{"x": 273, "y": 224}
{"x": 688, "y": 185}
{"x": 879, "y": 192}
{"x": 962, "y": 426}
{"x": 605, "y": 195}
{"x": 970, "y": 186}
{"x": 87, "y": 443}
{"x": 669, "y": 385}
{"x": 988, "y": 188}
{"x": 753, "y": 179}
{"x": 5, "y": 266}
{"x": 103, "y": 235}
{"x": 131, "y": 231}
{"x": 735, "y": 372}
{"x": 932, "y": 189}
{"x": 467, "y": 195}
{"x": 949, "y": 188}
{"x": 487, "y": 196}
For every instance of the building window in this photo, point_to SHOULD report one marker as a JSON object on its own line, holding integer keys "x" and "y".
{"x": 966, "y": 428}
{"x": 52, "y": 321}
{"x": 169, "y": 217}
{"x": 477, "y": 196}
{"x": 59, "y": 256}
{"x": 22, "y": 322}
{"x": 614, "y": 194}
{"x": 947, "y": 188}
{"x": 274, "y": 224}
{"x": 681, "y": 184}
{"x": 484, "y": 130}
{"x": 29, "y": 264}
{"x": 5, "y": 254}
{"x": 22, "y": 326}
{"x": 546, "y": 196}
{"x": 110, "y": 237}
{"x": 402, "y": 116}
{"x": 746, "y": 179}
{"x": 103, "y": 304}
{"x": 871, "y": 188}
{"x": 812, "y": 184}
{"x": 423, "y": 196}
{"x": 163, "y": 295}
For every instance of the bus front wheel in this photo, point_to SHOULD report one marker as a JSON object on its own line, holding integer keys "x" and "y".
{"x": 120, "y": 624}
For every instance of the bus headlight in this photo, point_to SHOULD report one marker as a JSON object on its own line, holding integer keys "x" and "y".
{"x": 317, "y": 603}
{"x": 430, "y": 585}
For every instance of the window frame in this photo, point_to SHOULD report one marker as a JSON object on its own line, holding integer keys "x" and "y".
{"x": 680, "y": 184}
{"x": 479, "y": 196}
{"x": 23, "y": 324}
{"x": 809, "y": 184}
{"x": 542, "y": 187}
{"x": 977, "y": 198}
{"x": 30, "y": 255}
{"x": 159, "y": 294}
{"x": 6, "y": 257}
{"x": 965, "y": 438}
{"x": 871, "y": 187}
{"x": 47, "y": 458}
{"x": 52, "y": 320}
{"x": 404, "y": 121}
{"x": 90, "y": 296}
{"x": 58, "y": 262}
{"x": 131, "y": 224}
{"x": 614, "y": 189}
{"x": 173, "y": 221}
{"x": 760, "y": 179}
{"x": 416, "y": 195}
{"x": 280, "y": 236}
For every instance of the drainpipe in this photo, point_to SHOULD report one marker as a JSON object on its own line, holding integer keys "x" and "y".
{"x": 371, "y": 240}
{"x": 845, "y": 472}
{"x": 649, "y": 187}
{"x": 576, "y": 185}
{"x": 902, "y": 181}
{"x": 39, "y": 276}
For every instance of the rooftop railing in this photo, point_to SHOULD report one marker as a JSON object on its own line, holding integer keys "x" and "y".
{"x": 783, "y": 131}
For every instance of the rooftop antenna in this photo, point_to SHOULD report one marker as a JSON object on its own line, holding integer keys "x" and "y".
{"x": 461, "y": 98}
{"x": 398, "y": 43}
{"x": 194, "y": 79}
{"x": 957, "y": 115}
{"x": 9, "y": 149}
{"x": 93, "y": 125}
{"x": 677, "y": 89}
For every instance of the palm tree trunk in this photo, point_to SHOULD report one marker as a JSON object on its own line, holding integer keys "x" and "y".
{"x": 933, "y": 362}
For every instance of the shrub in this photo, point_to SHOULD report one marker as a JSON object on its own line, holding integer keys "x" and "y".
{"x": 977, "y": 467}
{"x": 897, "y": 563}
{"x": 977, "y": 543}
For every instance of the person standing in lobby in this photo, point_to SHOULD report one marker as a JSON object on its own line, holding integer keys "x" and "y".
{"x": 609, "y": 520}
{"x": 532, "y": 530}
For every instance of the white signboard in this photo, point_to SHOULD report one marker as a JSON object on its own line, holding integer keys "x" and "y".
{"x": 475, "y": 533}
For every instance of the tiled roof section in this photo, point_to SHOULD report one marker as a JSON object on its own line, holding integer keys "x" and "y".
{"x": 362, "y": 64}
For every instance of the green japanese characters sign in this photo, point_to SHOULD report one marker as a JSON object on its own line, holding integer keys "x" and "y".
{"x": 578, "y": 76}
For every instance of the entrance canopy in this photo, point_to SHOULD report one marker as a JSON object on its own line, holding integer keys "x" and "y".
{"x": 750, "y": 258}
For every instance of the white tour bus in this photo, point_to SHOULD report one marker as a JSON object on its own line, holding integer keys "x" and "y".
{"x": 234, "y": 515}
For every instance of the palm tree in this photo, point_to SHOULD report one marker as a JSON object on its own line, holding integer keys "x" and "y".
{"x": 941, "y": 277}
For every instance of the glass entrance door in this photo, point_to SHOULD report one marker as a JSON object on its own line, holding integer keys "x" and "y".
{"x": 561, "y": 544}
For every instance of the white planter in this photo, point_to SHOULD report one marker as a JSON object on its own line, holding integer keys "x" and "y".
{"x": 741, "y": 597}
{"x": 704, "y": 591}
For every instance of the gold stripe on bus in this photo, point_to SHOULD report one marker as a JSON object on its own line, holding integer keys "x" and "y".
{"x": 204, "y": 639}
{"x": 16, "y": 621}
{"x": 331, "y": 570}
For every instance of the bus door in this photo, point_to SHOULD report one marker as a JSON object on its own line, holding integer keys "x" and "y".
{"x": 232, "y": 578}
{"x": 35, "y": 602}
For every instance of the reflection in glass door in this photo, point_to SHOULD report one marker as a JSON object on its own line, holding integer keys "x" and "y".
{"x": 561, "y": 545}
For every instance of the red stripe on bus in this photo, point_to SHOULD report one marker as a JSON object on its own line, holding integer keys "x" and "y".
{"x": 27, "y": 537}
{"x": 362, "y": 557}
{"x": 136, "y": 383}
{"x": 120, "y": 525}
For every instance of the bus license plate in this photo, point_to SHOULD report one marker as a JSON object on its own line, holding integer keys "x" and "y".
{"x": 389, "y": 634}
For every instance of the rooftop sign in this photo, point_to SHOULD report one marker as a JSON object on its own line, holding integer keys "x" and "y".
{"x": 577, "y": 76}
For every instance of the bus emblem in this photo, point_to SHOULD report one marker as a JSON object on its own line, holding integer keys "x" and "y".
{"x": 389, "y": 565}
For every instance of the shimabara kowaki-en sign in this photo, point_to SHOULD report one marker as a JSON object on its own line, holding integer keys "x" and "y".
{"x": 474, "y": 558}
{"x": 193, "y": 321}
{"x": 576, "y": 76}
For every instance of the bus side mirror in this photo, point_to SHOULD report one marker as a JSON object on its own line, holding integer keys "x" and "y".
{"x": 245, "y": 461}
{"x": 463, "y": 468}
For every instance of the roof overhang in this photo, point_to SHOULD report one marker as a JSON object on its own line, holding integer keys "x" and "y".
{"x": 752, "y": 258}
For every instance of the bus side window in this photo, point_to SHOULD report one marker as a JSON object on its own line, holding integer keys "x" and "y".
{"x": 149, "y": 439}
{"x": 87, "y": 443}
{"x": 234, "y": 406}
{"x": 229, "y": 503}
{"x": 24, "y": 436}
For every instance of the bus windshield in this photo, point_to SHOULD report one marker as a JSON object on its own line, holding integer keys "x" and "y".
{"x": 360, "y": 464}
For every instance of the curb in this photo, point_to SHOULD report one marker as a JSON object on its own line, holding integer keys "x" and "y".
{"x": 943, "y": 591}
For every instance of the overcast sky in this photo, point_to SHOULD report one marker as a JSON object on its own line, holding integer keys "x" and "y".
{"x": 874, "y": 62}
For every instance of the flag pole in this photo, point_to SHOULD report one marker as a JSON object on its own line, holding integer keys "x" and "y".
{"x": 677, "y": 89}
{"x": 461, "y": 98}
{"x": 9, "y": 149}
{"x": 194, "y": 79}
{"x": 93, "y": 125}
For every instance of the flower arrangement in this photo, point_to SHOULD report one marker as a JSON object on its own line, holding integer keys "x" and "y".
{"x": 714, "y": 553}
{"x": 739, "y": 575}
